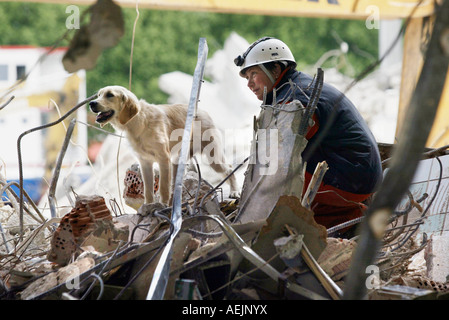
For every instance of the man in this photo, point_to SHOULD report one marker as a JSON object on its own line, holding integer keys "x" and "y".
{"x": 339, "y": 135}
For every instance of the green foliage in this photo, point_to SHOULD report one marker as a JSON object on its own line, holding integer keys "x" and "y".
{"x": 166, "y": 41}
{"x": 30, "y": 23}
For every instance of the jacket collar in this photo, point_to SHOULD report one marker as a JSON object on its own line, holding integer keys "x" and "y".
{"x": 283, "y": 79}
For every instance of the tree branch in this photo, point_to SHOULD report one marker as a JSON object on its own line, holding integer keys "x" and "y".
{"x": 406, "y": 155}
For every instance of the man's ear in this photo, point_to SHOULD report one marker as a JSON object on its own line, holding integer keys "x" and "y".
{"x": 129, "y": 110}
{"x": 277, "y": 71}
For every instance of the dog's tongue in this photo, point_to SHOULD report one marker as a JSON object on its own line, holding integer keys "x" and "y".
{"x": 103, "y": 116}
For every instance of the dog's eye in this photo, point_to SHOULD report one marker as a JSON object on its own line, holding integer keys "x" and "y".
{"x": 109, "y": 95}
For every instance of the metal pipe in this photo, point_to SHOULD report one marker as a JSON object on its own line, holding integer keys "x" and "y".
{"x": 161, "y": 274}
{"x": 19, "y": 151}
{"x": 334, "y": 291}
{"x": 54, "y": 181}
{"x": 314, "y": 98}
{"x": 255, "y": 259}
{"x": 6, "y": 103}
{"x": 11, "y": 192}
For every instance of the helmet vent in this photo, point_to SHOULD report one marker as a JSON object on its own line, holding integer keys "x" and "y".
{"x": 257, "y": 53}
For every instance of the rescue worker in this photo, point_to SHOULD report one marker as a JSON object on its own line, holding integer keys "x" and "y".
{"x": 339, "y": 135}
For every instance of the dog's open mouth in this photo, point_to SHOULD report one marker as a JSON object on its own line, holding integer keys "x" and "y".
{"x": 102, "y": 117}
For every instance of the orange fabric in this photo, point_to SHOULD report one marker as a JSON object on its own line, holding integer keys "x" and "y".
{"x": 332, "y": 206}
{"x": 313, "y": 129}
{"x": 280, "y": 77}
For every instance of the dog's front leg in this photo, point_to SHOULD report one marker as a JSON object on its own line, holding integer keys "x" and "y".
{"x": 174, "y": 171}
{"x": 148, "y": 180}
{"x": 165, "y": 179}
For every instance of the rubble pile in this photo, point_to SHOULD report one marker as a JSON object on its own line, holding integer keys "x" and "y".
{"x": 336, "y": 258}
{"x": 104, "y": 30}
{"x": 92, "y": 254}
{"x": 133, "y": 193}
{"x": 9, "y": 222}
{"x": 263, "y": 245}
{"x": 89, "y": 215}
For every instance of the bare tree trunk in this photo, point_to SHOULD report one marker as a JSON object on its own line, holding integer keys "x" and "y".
{"x": 406, "y": 155}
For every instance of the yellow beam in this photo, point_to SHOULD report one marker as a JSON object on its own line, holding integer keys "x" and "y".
{"x": 439, "y": 135}
{"x": 344, "y": 9}
{"x": 416, "y": 37}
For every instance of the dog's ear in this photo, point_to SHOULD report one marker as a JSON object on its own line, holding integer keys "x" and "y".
{"x": 129, "y": 109}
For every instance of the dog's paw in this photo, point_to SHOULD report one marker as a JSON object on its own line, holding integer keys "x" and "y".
{"x": 234, "y": 195}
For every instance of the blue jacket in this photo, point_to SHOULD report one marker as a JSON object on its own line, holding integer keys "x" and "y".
{"x": 348, "y": 146}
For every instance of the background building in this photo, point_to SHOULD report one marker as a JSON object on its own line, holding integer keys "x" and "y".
{"x": 40, "y": 97}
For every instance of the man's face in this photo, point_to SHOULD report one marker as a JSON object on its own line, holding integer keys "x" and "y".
{"x": 257, "y": 81}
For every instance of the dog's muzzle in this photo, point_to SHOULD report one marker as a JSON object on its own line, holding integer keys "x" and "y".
{"x": 102, "y": 116}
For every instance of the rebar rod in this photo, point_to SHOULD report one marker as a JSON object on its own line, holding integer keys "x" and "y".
{"x": 57, "y": 170}
{"x": 313, "y": 102}
{"x": 161, "y": 274}
{"x": 19, "y": 152}
{"x": 8, "y": 185}
{"x": 6, "y": 103}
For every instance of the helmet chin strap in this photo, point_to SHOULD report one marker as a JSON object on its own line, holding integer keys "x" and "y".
{"x": 268, "y": 73}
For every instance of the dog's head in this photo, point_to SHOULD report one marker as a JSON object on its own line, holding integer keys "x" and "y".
{"x": 114, "y": 104}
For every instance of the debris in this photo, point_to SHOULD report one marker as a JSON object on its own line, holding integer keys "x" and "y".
{"x": 134, "y": 193}
{"x": 397, "y": 292}
{"x": 85, "y": 224}
{"x": 212, "y": 257}
{"x": 437, "y": 258}
{"x": 34, "y": 239}
{"x": 143, "y": 227}
{"x": 332, "y": 289}
{"x": 288, "y": 211}
{"x": 106, "y": 24}
{"x": 260, "y": 264}
{"x": 63, "y": 276}
{"x": 186, "y": 290}
{"x": 134, "y": 188}
{"x": 289, "y": 249}
{"x": 336, "y": 257}
{"x": 314, "y": 184}
{"x": 281, "y": 174}
{"x": 82, "y": 53}
{"x": 106, "y": 236}
{"x": 105, "y": 29}
{"x": 294, "y": 253}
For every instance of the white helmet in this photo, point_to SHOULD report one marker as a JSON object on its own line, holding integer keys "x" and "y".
{"x": 264, "y": 50}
